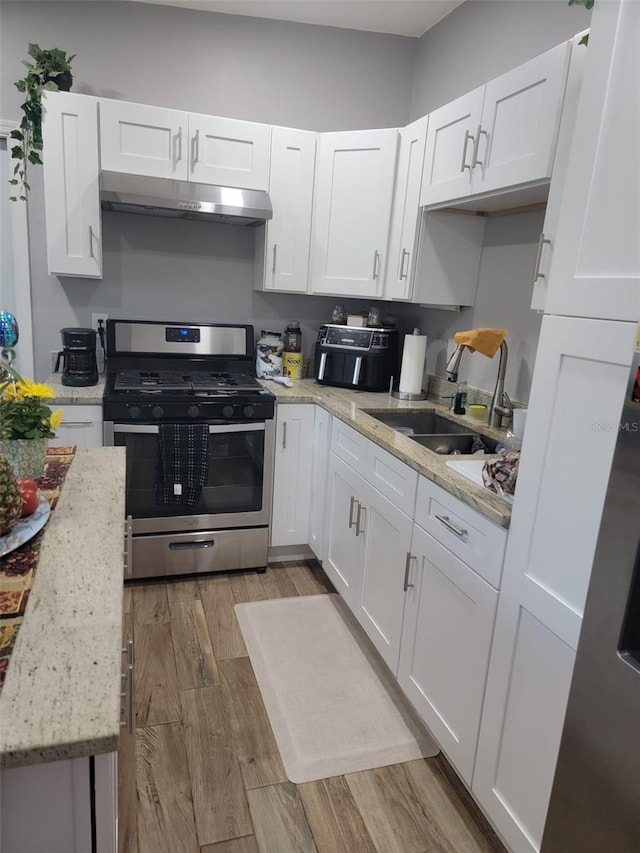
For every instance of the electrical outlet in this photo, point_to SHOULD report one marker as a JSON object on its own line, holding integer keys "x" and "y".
{"x": 54, "y": 358}
{"x": 96, "y": 317}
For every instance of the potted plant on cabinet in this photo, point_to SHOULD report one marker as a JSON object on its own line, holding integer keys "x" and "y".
{"x": 48, "y": 70}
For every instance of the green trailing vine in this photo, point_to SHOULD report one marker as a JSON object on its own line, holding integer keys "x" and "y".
{"x": 588, "y": 4}
{"x": 49, "y": 71}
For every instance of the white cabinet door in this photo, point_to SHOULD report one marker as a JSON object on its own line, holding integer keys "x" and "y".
{"x": 352, "y": 211}
{"x": 229, "y": 152}
{"x": 345, "y": 543}
{"x": 450, "y": 148}
{"x": 516, "y": 141}
{"x": 319, "y": 463}
{"x": 291, "y": 488}
{"x": 578, "y": 388}
{"x": 596, "y": 261}
{"x": 143, "y": 140}
{"x": 288, "y": 234}
{"x": 548, "y": 236}
{"x": 446, "y": 638}
{"x": 380, "y": 600}
{"x": 71, "y": 176}
{"x": 405, "y": 220}
{"x": 80, "y": 425}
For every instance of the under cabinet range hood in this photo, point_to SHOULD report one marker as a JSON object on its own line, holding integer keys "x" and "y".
{"x": 183, "y": 199}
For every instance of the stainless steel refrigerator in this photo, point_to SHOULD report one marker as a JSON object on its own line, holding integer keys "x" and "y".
{"x": 595, "y": 800}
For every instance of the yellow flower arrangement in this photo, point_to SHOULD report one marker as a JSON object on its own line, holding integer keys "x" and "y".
{"x": 22, "y": 412}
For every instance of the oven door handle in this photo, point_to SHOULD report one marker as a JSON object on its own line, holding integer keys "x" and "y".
{"x": 151, "y": 429}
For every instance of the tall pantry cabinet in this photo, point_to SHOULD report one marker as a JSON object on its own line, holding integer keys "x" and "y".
{"x": 579, "y": 382}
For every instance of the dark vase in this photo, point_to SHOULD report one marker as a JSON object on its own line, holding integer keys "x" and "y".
{"x": 64, "y": 81}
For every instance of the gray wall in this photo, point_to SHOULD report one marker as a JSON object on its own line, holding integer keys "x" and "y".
{"x": 319, "y": 78}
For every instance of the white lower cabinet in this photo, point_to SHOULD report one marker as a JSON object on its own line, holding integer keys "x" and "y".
{"x": 319, "y": 463}
{"x": 47, "y": 808}
{"x": 291, "y": 483}
{"x": 449, "y": 614}
{"x": 80, "y": 425}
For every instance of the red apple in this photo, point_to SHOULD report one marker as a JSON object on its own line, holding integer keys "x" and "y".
{"x": 29, "y": 494}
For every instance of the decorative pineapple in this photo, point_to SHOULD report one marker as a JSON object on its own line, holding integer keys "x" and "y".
{"x": 10, "y": 500}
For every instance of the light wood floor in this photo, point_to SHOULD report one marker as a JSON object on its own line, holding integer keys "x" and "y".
{"x": 202, "y": 773}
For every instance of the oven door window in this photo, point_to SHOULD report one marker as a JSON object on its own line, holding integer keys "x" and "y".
{"x": 235, "y": 473}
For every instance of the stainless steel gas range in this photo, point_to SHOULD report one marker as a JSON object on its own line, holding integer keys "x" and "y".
{"x": 199, "y": 433}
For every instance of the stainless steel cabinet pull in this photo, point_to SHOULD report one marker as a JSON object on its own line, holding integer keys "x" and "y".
{"x": 459, "y": 531}
{"x": 467, "y": 137}
{"x": 376, "y": 264}
{"x": 75, "y": 423}
{"x": 196, "y": 147}
{"x": 407, "y": 569}
{"x": 90, "y": 241}
{"x": 536, "y": 273}
{"x": 275, "y": 252}
{"x": 186, "y": 546}
{"x": 405, "y": 254}
{"x": 360, "y": 529}
{"x": 476, "y": 145}
{"x": 128, "y": 546}
{"x": 127, "y": 694}
{"x": 323, "y": 365}
{"x": 179, "y": 152}
{"x": 351, "y": 506}
{"x": 284, "y": 435}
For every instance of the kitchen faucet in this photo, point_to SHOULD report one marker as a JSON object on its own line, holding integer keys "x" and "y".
{"x": 501, "y": 406}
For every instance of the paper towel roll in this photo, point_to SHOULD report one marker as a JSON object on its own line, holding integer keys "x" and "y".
{"x": 412, "y": 370}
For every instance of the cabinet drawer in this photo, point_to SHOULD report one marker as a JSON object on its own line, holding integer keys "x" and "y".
{"x": 349, "y": 445}
{"x": 395, "y": 479}
{"x": 474, "y": 539}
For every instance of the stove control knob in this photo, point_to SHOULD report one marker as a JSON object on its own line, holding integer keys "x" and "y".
{"x": 248, "y": 411}
{"x": 134, "y": 412}
{"x": 193, "y": 411}
{"x": 228, "y": 411}
{"x": 157, "y": 411}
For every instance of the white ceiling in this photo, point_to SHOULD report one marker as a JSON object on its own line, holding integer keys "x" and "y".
{"x": 397, "y": 17}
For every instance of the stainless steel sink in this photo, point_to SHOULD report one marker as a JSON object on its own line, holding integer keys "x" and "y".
{"x": 435, "y": 432}
{"x": 455, "y": 443}
{"x": 419, "y": 423}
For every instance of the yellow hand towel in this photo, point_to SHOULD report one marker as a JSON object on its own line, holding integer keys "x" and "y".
{"x": 486, "y": 341}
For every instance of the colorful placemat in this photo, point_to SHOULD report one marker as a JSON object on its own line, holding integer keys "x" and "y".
{"x": 18, "y": 569}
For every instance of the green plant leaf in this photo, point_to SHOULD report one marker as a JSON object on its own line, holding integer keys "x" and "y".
{"x": 50, "y": 86}
{"x": 17, "y": 134}
{"x": 17, "y": 152}
{"x": 14, "y": 182}
{"x": 588, "y": 4}
{"x": 12, "y": 198}
{"x": 584, "y": 39}
{"x": 20, "y": 85}
{"x": 34, "y": 158}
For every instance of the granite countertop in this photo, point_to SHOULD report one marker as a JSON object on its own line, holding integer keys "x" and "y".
{"x": 349, "y": 406}
{"x": 61, "y": 697}
{"x": 65, "y": 395}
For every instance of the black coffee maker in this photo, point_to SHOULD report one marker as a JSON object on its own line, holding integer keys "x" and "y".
{"x": 79, "y": 355}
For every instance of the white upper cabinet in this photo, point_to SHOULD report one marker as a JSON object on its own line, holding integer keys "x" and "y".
{"x": 498, "y": 136}
{"x": 403, "y": 237}
{"x": 352, "y": 212}
{"x": 143, "y": 140}
{"x": 229, "y": 152}
{"x": 288, "y": 234}
{"x": 450, "y": 148}
{"x": 547, "y": 241}
{"x": 71, "y": 174}
{"x": 596, "y": 264}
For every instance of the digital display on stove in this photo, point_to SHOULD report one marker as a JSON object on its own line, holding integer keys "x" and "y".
{"x": 182, "y": 334}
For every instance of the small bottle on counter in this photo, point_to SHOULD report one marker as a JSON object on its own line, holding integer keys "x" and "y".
{"x": 460, "y": 402}
{"x": 292, "y": 358}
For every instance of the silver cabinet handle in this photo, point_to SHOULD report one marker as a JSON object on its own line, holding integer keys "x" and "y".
{"x": 352, "y": 503}
{"x": 476, "y": 145}
{"x": 467, "y": 137}
{"x": 376, "y": 264}
{"x": 128, "y": 546}
{"x": 179, "y": 151}
{"x": 76, "y": 423}
{"x": 153, "y": 429}
{"x": 90, "y": 241}
{"x": 284, "y": 435}
{"x": 275, "y": 252}
{"x": 459, "y": 531}
{"x": 196, "y": 147}
{"x": 356, "y": 370}
{"x": 404, "y": 255}
{"x": 323, "y": 365}
{"x": 536, "y": 273}
{"x": 127, "y": 693}
{"x": 359, "y": 528}
{"x": 407, "y": 568}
